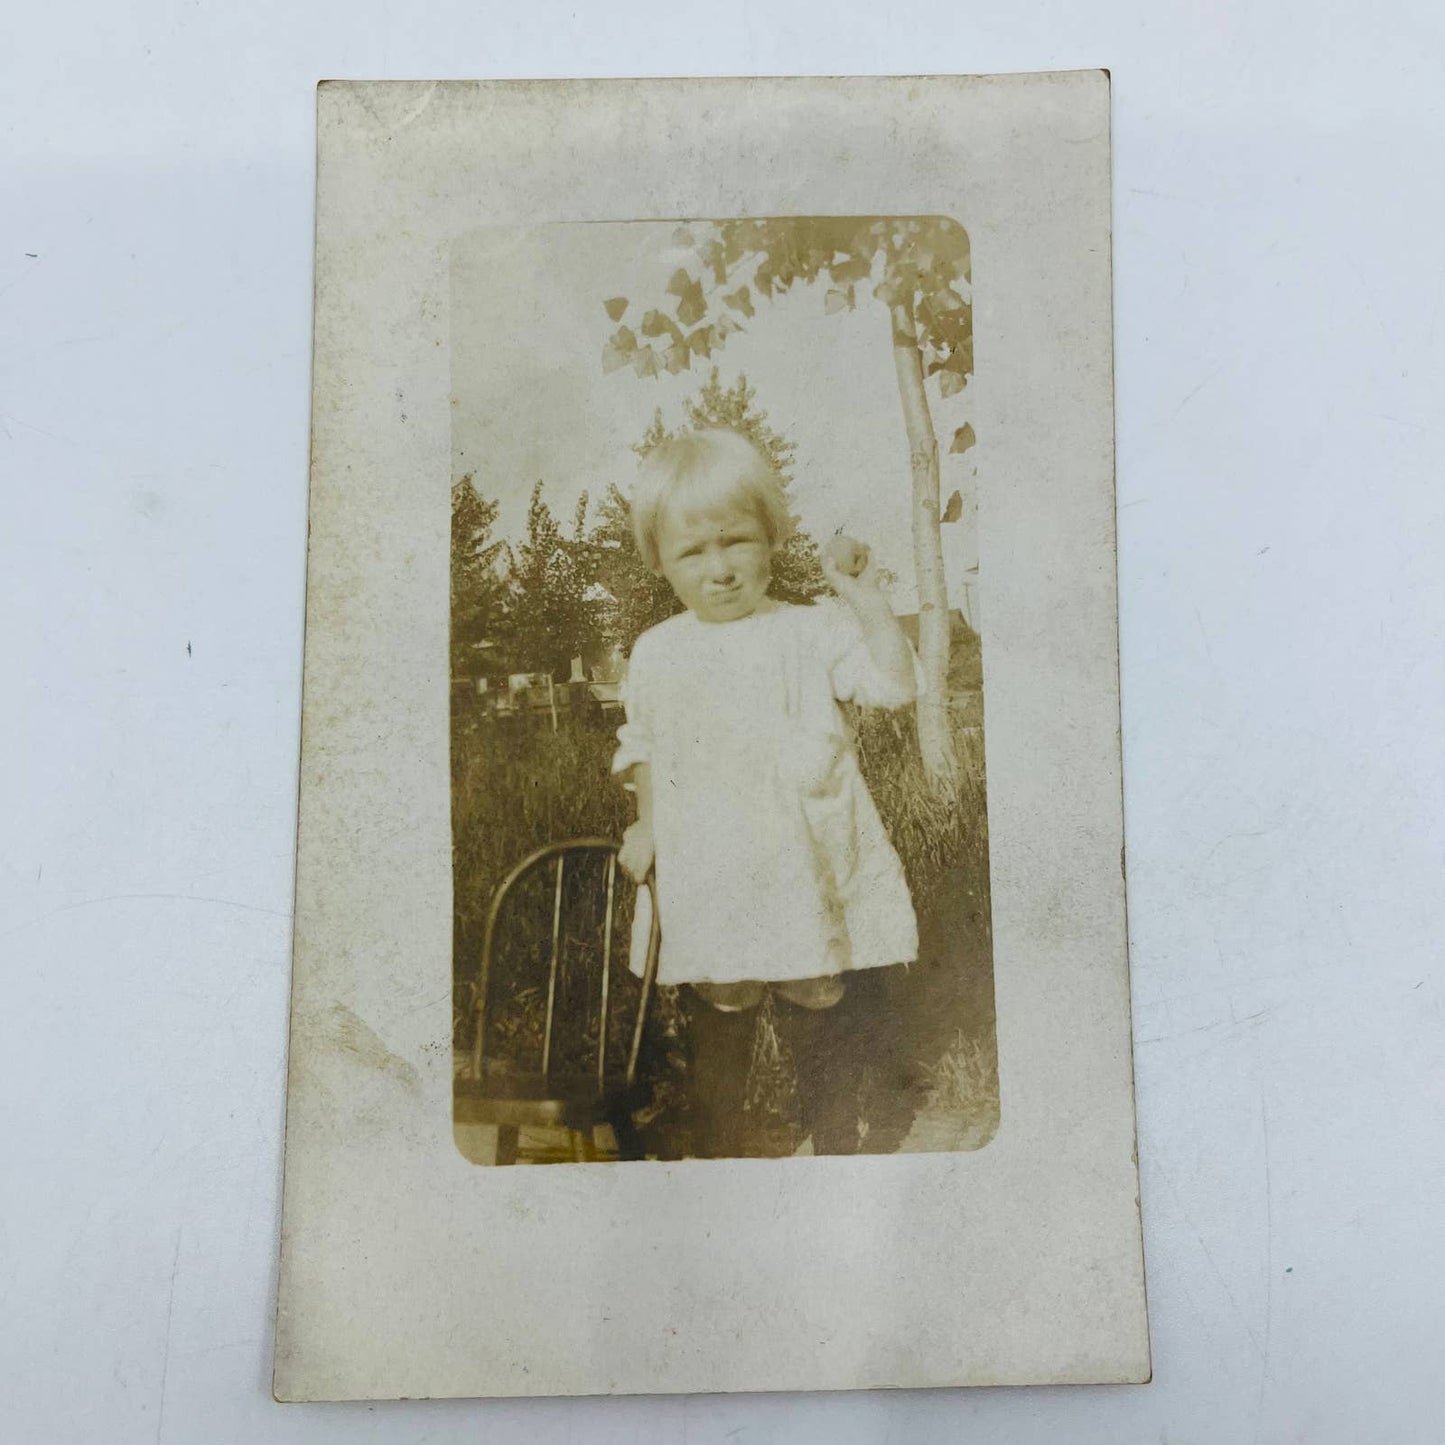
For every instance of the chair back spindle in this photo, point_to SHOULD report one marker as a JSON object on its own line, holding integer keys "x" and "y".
{"x": 559, "y": 854}
{"x": 553, "y": 968}
{"x": 606, "y": 970}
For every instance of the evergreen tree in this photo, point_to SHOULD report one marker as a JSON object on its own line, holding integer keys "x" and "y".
{"x": 641, "y": 598}
{"x": 552, "y": 618}
{"x": 478, "y": 588}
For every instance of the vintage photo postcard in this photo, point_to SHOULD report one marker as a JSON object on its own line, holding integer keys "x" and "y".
{"x": 706, "y": 603}
{"x": 711, "y": 763}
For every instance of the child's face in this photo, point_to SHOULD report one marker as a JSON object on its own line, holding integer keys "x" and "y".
{"x": 717, "y": 559}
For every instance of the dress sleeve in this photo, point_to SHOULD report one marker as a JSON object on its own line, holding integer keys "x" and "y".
{"x": 856, "y": 677}
{"x": 634, "y": 737}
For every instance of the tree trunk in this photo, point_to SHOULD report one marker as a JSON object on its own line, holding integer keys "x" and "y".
{"x": 935, "y": 738}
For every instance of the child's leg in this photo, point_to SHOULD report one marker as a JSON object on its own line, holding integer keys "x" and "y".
{"x": 827, "y": 1077}
{"x": 720, "y": 1050}
{"x": 834, "y": 1049}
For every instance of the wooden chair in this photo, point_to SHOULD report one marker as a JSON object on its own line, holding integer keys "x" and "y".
{"x": 512, "y": 1094}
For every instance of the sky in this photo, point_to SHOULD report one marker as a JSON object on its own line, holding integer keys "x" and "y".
{"x": 530, "y": 400}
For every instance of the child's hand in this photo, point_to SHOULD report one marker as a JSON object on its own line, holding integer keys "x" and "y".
{"x": 845, "y": 555}
{"x": 636, "y": 853}
{"x": 845, "y": 567}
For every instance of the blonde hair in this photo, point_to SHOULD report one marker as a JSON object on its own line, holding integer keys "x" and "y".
{"x": 706, "y": 468}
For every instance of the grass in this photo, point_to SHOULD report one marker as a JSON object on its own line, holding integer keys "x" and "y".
{"x": 934, "y": 833}
{"x": 518, "y": 784}
{"x": 963, "y": 1085}
{"x": 515, "y": 786}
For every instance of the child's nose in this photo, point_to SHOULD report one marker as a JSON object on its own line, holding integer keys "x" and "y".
{"x": 722, "y": 569}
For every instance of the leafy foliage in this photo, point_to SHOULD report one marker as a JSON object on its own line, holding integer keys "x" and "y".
{"x": 551, "y": 618}
{"x": 918, "y": 266}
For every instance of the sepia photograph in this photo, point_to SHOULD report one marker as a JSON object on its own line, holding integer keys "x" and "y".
{"x": 718, "y": 802}
{"x": 710, "y": 772}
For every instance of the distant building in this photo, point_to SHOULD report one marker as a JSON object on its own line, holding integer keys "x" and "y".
{"x": 602, "y": 662}
{"x": 965, "y": 672}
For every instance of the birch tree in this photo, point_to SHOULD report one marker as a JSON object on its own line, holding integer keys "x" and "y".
{"x": 916, "y": 269}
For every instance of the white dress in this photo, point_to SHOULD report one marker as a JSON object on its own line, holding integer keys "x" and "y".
{"x": 772, "y": 863}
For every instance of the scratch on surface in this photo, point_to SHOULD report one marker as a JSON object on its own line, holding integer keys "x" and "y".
{"x": 128, "y": 897}
{"x": 404, "y": 118}
{"x": 1268, "y": 1269}
{"x": 356, "y": 1037}
{"x": 415, "y": 112}
{"x": 1169, "y": 1038}
{"x": 1244, "y": 832}
{"x": 1370, "y": 303}
{"x": 40, "y": 430}
{"x": 1218, "y": 1273}
{"x": 25, "y": 275}
{"x": 1191, "y": 394}
{"x": 1208, "y": 651}
{"x": 245, "y": 1343}
{"x": 436, "y": 1002}
{"x": 1229, "y": 1023}
{"x": 170, "y": 1309}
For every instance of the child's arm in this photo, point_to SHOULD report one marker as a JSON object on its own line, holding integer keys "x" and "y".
{"x": 844, "y": 562}
{"x": 636, "y": 853}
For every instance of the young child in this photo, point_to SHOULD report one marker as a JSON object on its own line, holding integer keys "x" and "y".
{"x": 772, "y": 867}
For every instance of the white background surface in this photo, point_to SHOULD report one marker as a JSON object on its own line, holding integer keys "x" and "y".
{"x": 1280, "y": 198}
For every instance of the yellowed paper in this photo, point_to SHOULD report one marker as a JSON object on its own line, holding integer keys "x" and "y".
{"x": 511, "y": 280}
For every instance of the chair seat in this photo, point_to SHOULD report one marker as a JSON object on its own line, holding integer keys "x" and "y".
{"x": 509, "y": 1096}
{"x": 496, "y": 1092}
